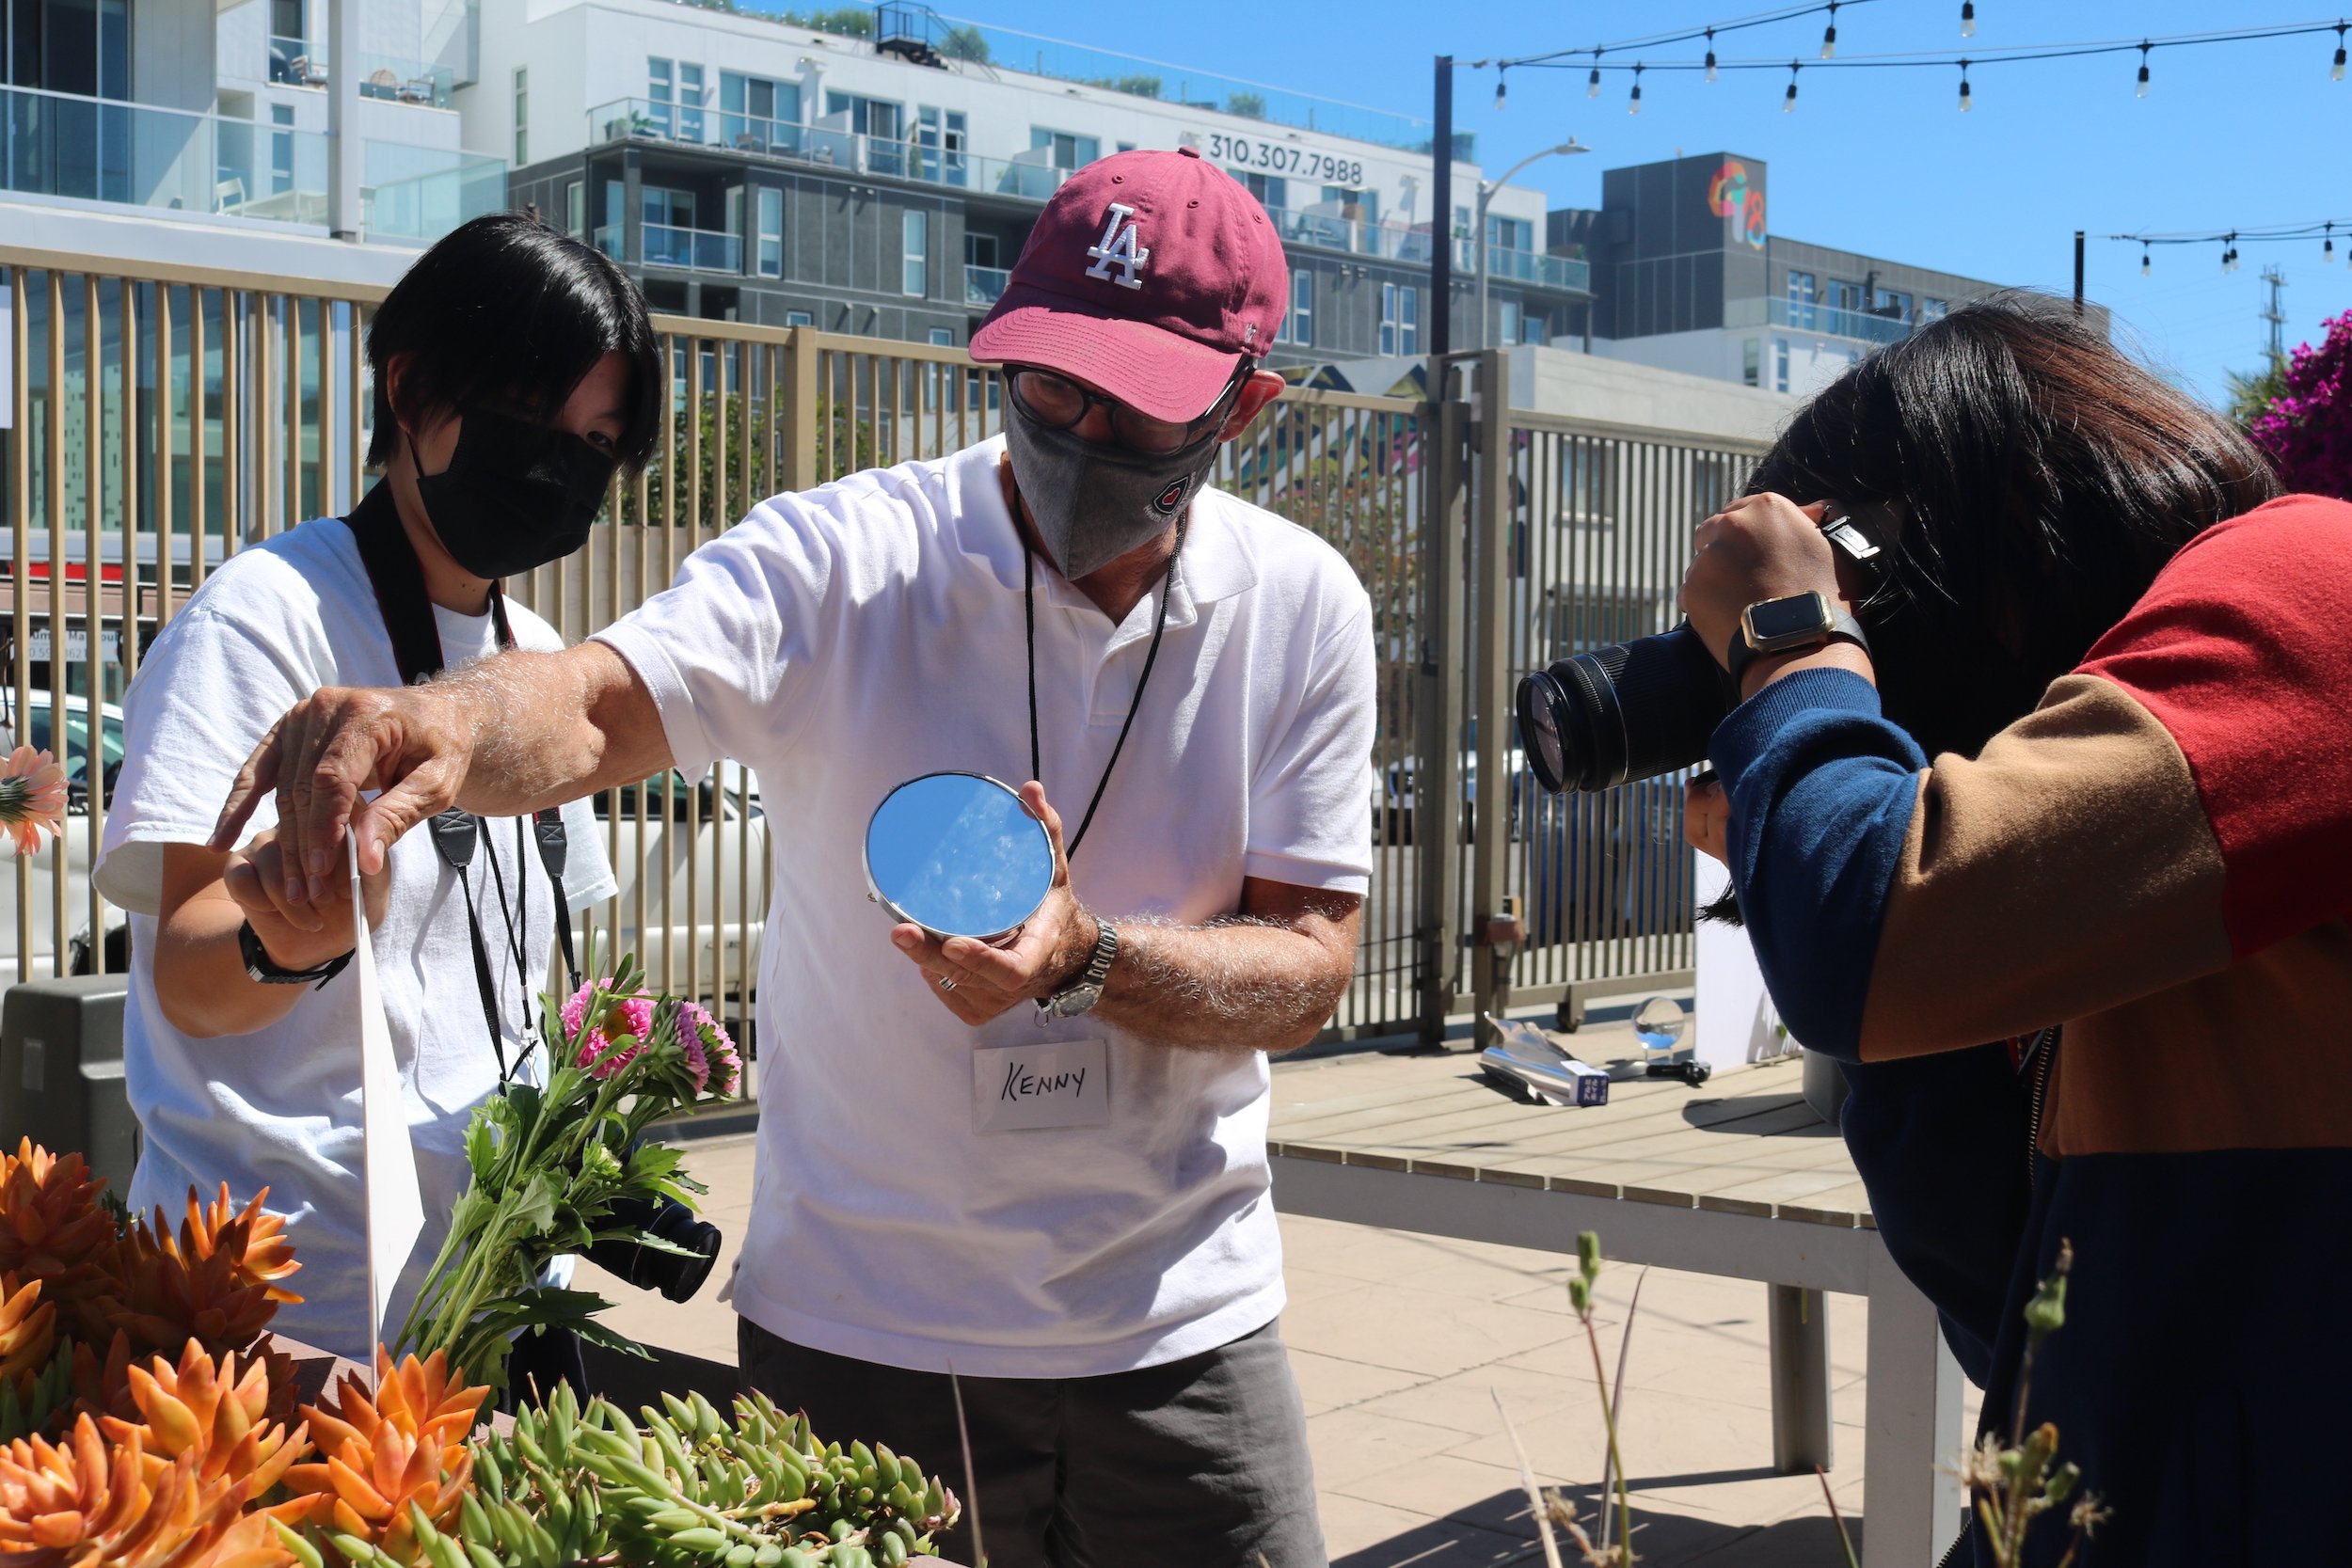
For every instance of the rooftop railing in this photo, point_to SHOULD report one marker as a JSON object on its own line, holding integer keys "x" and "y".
{"x": 1809, "y": 316}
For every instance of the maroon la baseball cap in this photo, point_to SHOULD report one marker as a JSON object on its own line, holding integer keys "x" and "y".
{"x": 1149, "y": 274}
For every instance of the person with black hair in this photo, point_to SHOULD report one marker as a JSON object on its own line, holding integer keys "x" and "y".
{"x": 516, "y": 373}
{"x": 2060, "y": 867}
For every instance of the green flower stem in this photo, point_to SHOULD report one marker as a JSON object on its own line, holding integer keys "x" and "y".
{"x": 1609, "y": 1421}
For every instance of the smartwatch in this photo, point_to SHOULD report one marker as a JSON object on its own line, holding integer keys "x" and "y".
{"x": 263, "y": 970}
{"x": 1798, "y": 621}
{"x": 1087, "y": 990}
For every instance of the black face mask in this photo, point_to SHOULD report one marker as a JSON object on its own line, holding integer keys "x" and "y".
{"x": 515, "y": 495}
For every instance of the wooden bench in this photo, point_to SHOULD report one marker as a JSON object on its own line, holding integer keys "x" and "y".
{"x": 1737, "y": 1177}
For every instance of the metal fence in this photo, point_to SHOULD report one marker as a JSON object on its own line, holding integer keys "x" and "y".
{"x": 158, "y": 423}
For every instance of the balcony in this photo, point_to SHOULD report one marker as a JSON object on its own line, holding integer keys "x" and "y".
{"x": 1828, "y": 320}
{"x": 1536, "y": 268}
{"x": 138, "y": 156}
{"x": 670, "y": 245}
{"x": 984, "y": 285}
{"x": 300, "y": 63}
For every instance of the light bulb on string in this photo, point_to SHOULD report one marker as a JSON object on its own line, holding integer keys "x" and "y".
{"x": 1592, "y": 83}
{"x": 1828, "y": 34}
{"x": 1633, "y": 105}
{"x": 1967, "y": 18}
{"x": 2144, "y": 266}
{"x": 1713, "y": 74}
{"x": 1789, "y": 101}
{"x": 2142, "y": 91}
{"x": 2328, "y": 247}
{"x": 2335, "y": 73}
{"x": 1964, "y": 102}
{"x": 1501, "y": 88}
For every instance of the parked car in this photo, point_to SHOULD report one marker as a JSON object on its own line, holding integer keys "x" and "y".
{"x": 41, "y": 889}
{"x": 708, "y": 879}
{"x": 1393, "y": 797}
{"x": 1610, "y": 865}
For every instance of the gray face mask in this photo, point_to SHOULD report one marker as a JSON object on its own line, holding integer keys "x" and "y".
{"x": 1093, "y": 504}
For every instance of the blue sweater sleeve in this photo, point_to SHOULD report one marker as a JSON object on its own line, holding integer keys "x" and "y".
{"x": 1823, "y": 789}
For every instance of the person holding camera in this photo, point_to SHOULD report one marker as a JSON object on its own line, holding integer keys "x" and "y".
{"x": 1192, "y": 678}
{"x": 2049, "y": 841}
{"x": 515, "y": 375}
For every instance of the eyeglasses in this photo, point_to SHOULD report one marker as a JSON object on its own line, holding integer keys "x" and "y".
{"x": 1058, "y": 402}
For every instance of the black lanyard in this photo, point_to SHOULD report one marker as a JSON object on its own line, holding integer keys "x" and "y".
{"x": 408, "y": 612}
{"x": 1028, "y": 599}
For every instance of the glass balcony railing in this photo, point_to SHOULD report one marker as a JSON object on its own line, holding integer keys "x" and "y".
{"x": 301, "y": 63}
{"x": 669, "y": 246}
{"x": 984, "y": 285}
{"x": 296, "y": 62}
{"x": 98, "y": 149}
{"x": 1806, "y": 316}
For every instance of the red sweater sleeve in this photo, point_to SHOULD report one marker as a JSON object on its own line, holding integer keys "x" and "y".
{"x": 2242, "y": 650}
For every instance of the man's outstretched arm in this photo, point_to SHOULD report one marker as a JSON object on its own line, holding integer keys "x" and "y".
{"x": 513, "y": 734}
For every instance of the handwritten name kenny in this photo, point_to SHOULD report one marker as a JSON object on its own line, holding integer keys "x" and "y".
{"x": 1022, "y": 1083}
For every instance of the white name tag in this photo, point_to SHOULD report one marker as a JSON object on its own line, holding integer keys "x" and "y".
{"x": 1059, "y": 1083}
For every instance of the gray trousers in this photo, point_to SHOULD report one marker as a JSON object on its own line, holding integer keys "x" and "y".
{"x": 1196, "y": 1463}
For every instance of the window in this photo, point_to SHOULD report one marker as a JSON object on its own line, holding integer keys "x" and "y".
{"x": 661, "y": 94}
{"x": 522, "y": 116}
{"x": 1461, "y": 223}
{"x": 1751, "y": 362}
{"x": 1069, "y": 150}
{"x": 1893, "y": 303}
{"x": 690, "y": 101}
{"x": 980, "y": 250}
{"x": 1536, "y": 328}
{"x": 799, "y": 318}
{"x": 1933, "y": 311}
{"x": 1780, "y": 364}
{"x": 1507, "y": 317}
{"x": 1845, "y": 300}
{"x": 943, "y": 337}
{"x": 1801, "y": 298}
{"x": 285, "y": 19}
{"x": 1366, "y": 204}
{"x": 282, "y": 148}
{"x": 915, "y": 273}
{"x": 756, "y": 114}
{"x": 1510, "y": 233}
{"x": 1400, "y": 319}
{"x": 939, "y": 142}
{"x": 576, "y": 208}
{"x": 1272, "y": 190}
{"x": 880, "y": 121}
{"x": 768, "y": 241}
{"x": 1298, "y": 327}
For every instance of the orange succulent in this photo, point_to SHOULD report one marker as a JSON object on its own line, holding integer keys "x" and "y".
{"x": 217, "y": 1281}
{"x": 82, "y": 1504}
{"x": 28, "y": 1329}
{"x": 408, "y": 1446}
{"x": 218, "y": 1418}
{"x": 53, "y": 1229}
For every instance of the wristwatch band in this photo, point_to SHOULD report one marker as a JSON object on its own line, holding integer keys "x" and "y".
{"x": 1082, "y": 993}
{"x": 1841, "y": 625}
{"x": 263, "y": 970}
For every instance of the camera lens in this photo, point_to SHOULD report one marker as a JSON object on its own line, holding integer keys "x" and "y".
{"x": 678, "y": 1277}
{"x": 1632, "y": 710}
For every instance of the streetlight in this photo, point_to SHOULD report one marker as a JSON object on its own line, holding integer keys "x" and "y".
{"x": 1486, "y": 189}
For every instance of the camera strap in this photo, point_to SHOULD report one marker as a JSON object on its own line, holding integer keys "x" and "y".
{"x": 1028, "y": 605}
{"x": 398, "y": 581}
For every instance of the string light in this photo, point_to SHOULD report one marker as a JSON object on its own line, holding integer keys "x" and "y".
{"x": 1967, "y": 18}
{"x": 2142, "y": 92}
{"x": 2228, "y": 257}
{"x": 2231, "y": 238}
{"x": 1789, "y": 104}
{"x": 1828, "y": 34}
{"x": 1633, "y": 106}
{"x": 1592, "y": 87}
{"x": 1502, "y": 87}
{"x": 2328, "y": 250}
{"x": 1965, "y": 104}
{"x": 2145, "y": 267}
{"x": 2335, "y": 73}
{"x": 1713, "y": 74}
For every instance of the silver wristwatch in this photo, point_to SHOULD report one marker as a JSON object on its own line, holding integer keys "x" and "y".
{"x": 1087, "y": 990}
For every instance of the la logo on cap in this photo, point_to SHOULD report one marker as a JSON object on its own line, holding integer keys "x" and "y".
{"x": 1118, "y": 247}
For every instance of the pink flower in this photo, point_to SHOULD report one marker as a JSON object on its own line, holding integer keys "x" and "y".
{"x": 627, "y": 1016}
{"x": 710, "y": 1055}
{"x": 32, "y": 798}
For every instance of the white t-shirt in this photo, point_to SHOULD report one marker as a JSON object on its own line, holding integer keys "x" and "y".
{"x": 280, "y": 1107}
{"x": 845, "y": 641}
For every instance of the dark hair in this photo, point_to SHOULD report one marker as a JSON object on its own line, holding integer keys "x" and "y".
{"x": 2035, "y": 479}
{"x": 504, "y": 306}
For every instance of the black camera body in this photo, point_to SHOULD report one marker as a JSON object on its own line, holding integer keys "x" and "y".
{"x": 1634, "y": 710}
{"x": 677, "y": 1278}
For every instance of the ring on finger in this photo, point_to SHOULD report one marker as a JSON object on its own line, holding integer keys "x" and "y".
{"x": 945, "y": 984}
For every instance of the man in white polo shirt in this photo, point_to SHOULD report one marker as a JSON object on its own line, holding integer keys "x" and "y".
{"x": 1203, "y": 712}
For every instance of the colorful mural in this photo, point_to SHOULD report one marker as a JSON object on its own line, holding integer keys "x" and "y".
{"x": 1730, "y": 196}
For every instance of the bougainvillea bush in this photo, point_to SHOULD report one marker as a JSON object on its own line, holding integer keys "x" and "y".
{"x": 2308, "y": 430}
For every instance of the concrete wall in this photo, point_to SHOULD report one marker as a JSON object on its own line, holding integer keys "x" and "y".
{"x": 1588, "y": 386}
{"x": 171, "y": 53}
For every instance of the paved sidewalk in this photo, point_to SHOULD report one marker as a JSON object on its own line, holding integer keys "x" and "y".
{"x": 1400, "y": 1343}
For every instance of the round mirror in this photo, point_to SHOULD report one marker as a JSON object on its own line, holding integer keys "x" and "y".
{"x": 959, "y": 855}
{"x": 1659, "y": 1022}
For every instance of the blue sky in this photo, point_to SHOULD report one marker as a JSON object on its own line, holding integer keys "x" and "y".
{"x": 1878, "y": 161}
